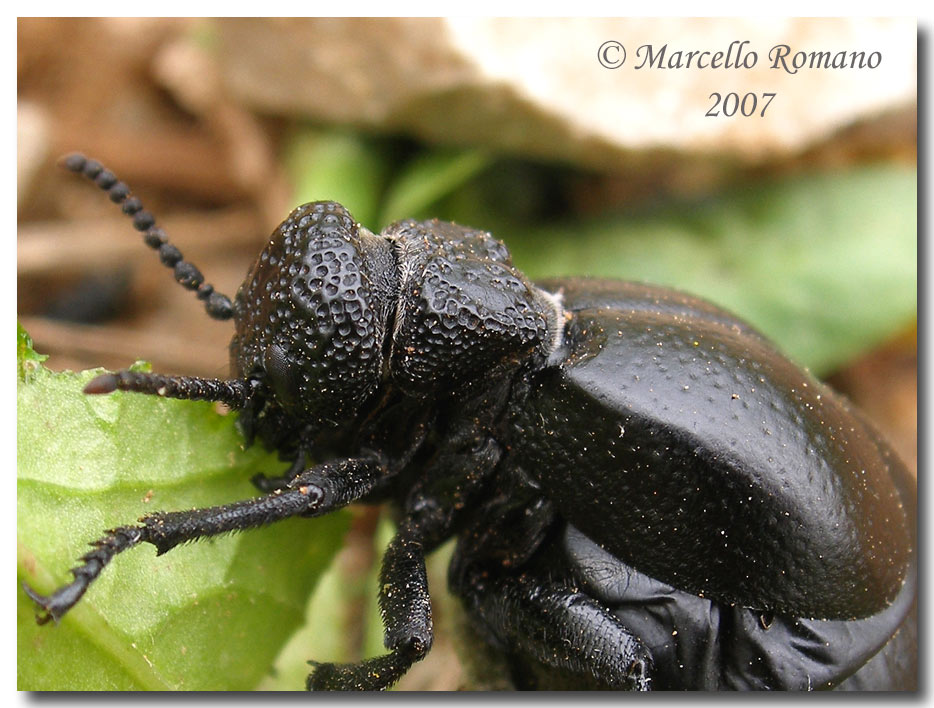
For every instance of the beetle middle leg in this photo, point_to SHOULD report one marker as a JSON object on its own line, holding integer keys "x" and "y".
{"x": 431, "y": 510}
{"x": 317, "y": 491}
{"x": 405, "y": 607}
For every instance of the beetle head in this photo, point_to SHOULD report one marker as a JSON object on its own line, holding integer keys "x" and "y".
{"x": 313, "y": 313}
{"x": 311, "y": 318}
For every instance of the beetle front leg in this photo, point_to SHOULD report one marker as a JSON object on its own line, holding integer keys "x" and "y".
{"x": 317, "y": 491}
{"x": 405, "y": 607}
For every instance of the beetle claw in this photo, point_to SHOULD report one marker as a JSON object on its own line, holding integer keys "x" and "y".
{"x": 46, "y": 603}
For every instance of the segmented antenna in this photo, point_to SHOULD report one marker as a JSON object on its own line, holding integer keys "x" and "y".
{"x": 218, "y": 306}
{"x": 236, "y": 393}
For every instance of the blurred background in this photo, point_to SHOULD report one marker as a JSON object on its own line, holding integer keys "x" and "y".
{"x": 803, "y": 221}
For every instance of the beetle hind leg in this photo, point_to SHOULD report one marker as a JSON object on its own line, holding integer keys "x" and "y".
{"x": 556, "y": 633}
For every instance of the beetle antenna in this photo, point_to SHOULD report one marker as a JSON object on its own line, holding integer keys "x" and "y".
{"x": 235, "y": 393}
{"x": 218, "y": 306}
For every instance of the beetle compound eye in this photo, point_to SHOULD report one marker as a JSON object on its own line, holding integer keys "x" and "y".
{"x": 282, "y": 374}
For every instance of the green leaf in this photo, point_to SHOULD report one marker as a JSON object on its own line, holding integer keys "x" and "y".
{"x": 27, "y": 360}
{"x": 326, "y": 636}
{"x": 825, "y": 265}
{"x": 211, "y": 615}
{"x": 428, "y": 178}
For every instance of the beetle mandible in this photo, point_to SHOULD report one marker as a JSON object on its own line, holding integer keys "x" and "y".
{"x": 645, "y": 494}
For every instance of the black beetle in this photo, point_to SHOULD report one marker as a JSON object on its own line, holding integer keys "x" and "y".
{"x": 645, "y": 494}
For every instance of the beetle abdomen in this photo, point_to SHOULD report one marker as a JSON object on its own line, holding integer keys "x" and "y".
{"x": 688, "y": 447}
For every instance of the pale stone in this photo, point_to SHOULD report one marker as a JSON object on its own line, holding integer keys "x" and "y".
{"x": 32, "y": 145}
{"x": 535, "y": 87}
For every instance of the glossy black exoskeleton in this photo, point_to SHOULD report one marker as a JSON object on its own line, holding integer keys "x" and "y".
{"x": 644, "y": 492}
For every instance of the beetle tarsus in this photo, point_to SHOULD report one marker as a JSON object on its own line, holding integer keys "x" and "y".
{"x": 377, "y": 674}
{"x": 50, "y": 608}
{"x": 55, "y": 606}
